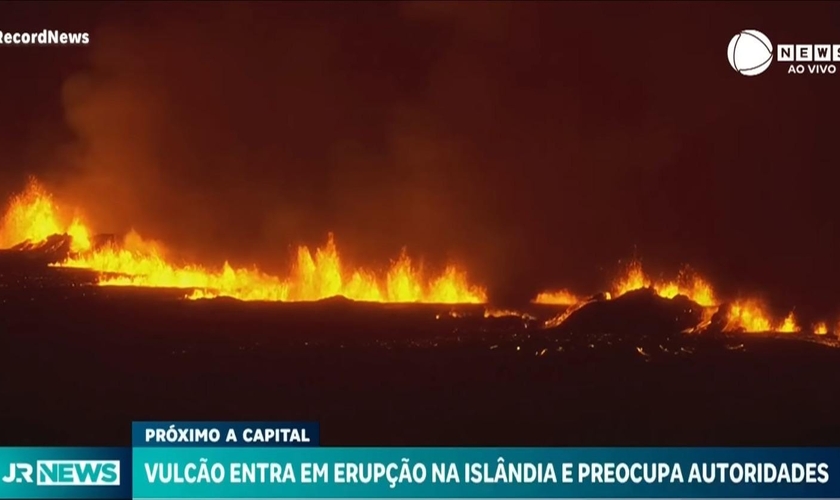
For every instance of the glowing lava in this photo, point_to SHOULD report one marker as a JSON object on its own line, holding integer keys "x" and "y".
{"x": 748, "y": 316}
{"x": 788, "y": 325}
{"x": 33, "y": 217}
{"x": 557, "y": 297}
{"x": 687, "y": 284}
{"x": 507, "y": 313}
{"x": 745, "y": 315}
{"x": 751, "y": 316}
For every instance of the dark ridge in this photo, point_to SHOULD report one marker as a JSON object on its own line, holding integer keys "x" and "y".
{"x": 637, "y": 311}
{"x": 54, "y": 249}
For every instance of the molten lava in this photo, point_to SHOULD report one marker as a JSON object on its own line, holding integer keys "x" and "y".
{"x": 557, "y": 297}
{"x": 749, "y": 316}
{"x": 507, "y": 313}
{"x": 744, "y": 315}
{"x": 33, "y": 216}
{"x": 687, "y": 284}
{"x": 314, "y": 276}
{"x": 789, "y": 324}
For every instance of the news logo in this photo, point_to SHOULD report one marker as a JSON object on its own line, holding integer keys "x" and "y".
{"x": 65, "y": 473}
{"x": 750, "y": 53}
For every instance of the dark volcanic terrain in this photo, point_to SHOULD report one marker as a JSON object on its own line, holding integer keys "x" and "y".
{"x": 80, "y": 362}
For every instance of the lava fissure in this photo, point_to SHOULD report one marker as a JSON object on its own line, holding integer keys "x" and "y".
{"x": 33, "y": 219}
{"x": 33, "y": 226}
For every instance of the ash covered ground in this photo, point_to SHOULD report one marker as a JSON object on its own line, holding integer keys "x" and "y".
{"x": 81, "y": 362}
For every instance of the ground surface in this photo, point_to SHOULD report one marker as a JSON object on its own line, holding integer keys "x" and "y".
{"x": 80, "y": 363}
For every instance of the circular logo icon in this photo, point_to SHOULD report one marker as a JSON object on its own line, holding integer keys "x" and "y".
{"x": 750, "y": 52}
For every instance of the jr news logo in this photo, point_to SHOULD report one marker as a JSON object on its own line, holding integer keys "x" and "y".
{"x": 65, "y": 473}
{"x": 750, "y": 53}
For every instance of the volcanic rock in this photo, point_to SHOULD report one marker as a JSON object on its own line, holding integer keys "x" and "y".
{"x": 54, "y": 249}
{"x": 636, "y": 312}
{"x": 719, "y": 323}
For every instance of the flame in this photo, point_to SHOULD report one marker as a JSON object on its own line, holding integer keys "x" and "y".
{"x": 633, "y": 279}
{"x": 693, "y": 287}
{"x": 688, "y": 284}
{"x": 30, "y": 217}
{"x": 788, "y": 325}
{"x": 33, "y": 216}
{"x": 557, "y": 297}
{"x": 507, "y": 313}
{"x": 80, "y": 236}
{"x": 452, "y": 314}
{"x": 749, "y": 316}
{"x": 316, "y": 275}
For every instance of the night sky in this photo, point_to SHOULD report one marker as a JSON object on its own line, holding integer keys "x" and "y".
{"x": 536, "y": 144}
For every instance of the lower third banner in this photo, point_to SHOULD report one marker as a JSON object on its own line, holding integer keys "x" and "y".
{"x": 486, "y": 473}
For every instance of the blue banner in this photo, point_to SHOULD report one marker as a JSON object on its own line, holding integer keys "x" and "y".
{"x": 92, "y": 473}
{"x": 486, "y": 473}
{"x": 221, "y": 434}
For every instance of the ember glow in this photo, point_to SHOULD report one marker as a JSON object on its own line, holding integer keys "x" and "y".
{"x": 748, "y": 315}
{"x": 751, "y": 316}
{"x": 687, "y": 284}
{"x": 33, "y": 216}
{"x": 558, "y": 297}
{"x": 507, "y": 313}
{"x": 789, "y": 324}
{"x": 315, "y": 275}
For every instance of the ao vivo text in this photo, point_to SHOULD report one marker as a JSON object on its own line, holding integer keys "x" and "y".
{"x": 66, "y": 473}
{"x": 812, "y": 69}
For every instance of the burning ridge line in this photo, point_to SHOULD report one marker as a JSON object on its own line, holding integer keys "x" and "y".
{"x": 32, "y": 221}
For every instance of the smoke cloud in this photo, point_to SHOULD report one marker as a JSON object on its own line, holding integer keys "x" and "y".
{"x": 538, "y": 144}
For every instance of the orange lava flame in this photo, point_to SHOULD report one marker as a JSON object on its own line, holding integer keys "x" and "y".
{"x": 33, "y": 216}
{"x": 506, "y": 313}
{"x": 747, "y": 315}
{"x": 557, "y": 297}
{"x": 687, "y": 284}
{"x": 789, "y": 325}
{"x": 751, "y": 316}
